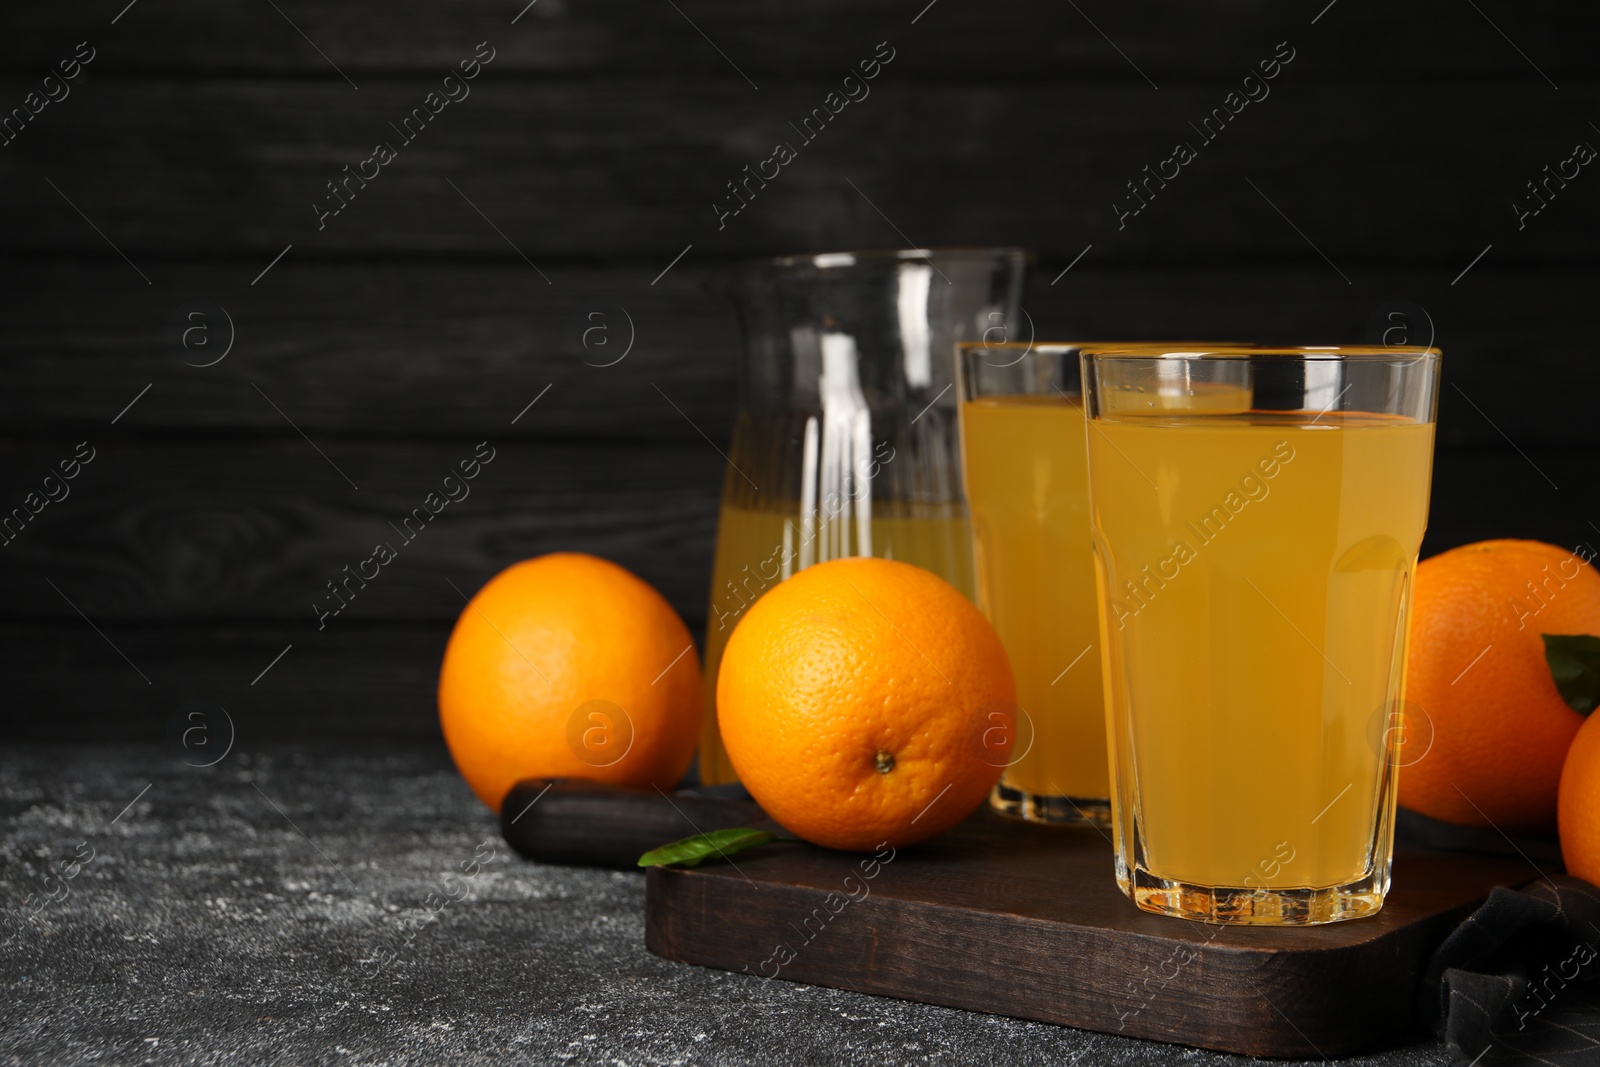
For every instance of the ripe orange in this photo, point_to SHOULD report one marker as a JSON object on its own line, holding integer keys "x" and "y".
{"x": 569, "y": 666}
{"x": 1476, "y": 672}
{"x": 865, "y": 702}
{"x": 1580, "y": 803}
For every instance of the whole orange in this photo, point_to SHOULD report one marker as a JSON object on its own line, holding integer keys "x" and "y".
{"x": 1580, "y": 803}
{"x": 569, "y": 666}
{"x": 1476, "y": 672}
{"x": 866, "y": 702}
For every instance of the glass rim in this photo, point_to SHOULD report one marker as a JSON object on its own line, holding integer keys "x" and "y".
{"x": 845, "y": 258}
{"x": 969, "y": 348}
{"x": 965, "y": 347}
{"x": 1317, "y": 353}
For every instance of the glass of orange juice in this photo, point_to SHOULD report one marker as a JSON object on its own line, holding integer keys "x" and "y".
{"x": 1025, "y": 469}
{"x": 1254, "y": 556}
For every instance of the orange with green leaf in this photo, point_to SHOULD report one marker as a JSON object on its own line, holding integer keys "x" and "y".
{"x": 1499, "y": 673}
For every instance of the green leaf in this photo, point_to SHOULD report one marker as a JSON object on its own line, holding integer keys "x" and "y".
{"x": 1574, "y": 661}
{"x": 691, "y": 850}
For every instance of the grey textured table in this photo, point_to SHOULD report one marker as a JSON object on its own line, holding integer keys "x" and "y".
{"x": 272, "y": 908}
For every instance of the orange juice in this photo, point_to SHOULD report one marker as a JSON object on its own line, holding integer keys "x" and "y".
{"x": 1255, "y": 574}
{"x": 1028, "y": 491}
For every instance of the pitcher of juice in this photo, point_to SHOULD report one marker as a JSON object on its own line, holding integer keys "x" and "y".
{"x": 845, "y": 443}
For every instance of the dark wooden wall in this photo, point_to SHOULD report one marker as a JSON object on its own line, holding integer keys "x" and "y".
{"x": 191, "y": 148}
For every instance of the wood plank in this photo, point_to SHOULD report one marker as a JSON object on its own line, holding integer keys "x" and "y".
{"x": 447, "y": 350}
{"x": 364, "y": 681}
{"x": 210, "y": 531}
{"x": 235, "y": 531}
{"x": 1009, "y": 38}
{"x": 1482, "y": 494}
{"x": 1027, "y": 921}
{"x": 422, "y": 350}
{"x": 633, "y": 168}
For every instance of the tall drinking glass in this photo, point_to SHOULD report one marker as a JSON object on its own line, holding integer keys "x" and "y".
{"x": 845, "y": 441}
{"x": 1255, "y": 554}
{"x": 1022, "y": 445}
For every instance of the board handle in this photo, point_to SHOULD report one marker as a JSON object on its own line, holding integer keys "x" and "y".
{"x": 591, "y": 824}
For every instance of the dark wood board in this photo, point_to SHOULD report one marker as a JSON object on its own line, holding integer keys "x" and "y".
{"x": 442, "y": 350}
{"x": 1026, "y": 921}
{"x": 1017, "y": 39}
{"x": 632, "y": 168}
{"x": 252, "y": 530}
{"x": 131, "y": 683}
{"x": 200, "y": 562}
{"x": 196, "y": 140}
{"x": 255, "y": 529}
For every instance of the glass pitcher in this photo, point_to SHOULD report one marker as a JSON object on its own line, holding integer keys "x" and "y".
{"x": 846, "y": 439}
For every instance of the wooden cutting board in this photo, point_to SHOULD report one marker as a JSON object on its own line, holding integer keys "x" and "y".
{"x": 1022, "y": 920}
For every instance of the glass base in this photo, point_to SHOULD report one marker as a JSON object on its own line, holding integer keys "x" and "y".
{"x": 1254, "y": 907}
{"x": 1055, "y": 810}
